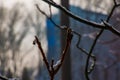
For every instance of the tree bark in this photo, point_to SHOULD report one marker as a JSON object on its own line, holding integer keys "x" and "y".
{"x": 66, "y": 67}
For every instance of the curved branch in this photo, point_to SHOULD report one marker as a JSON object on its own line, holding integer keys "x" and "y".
{"x": 91, "y": 23}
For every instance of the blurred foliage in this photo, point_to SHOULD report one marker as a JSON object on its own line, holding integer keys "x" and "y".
{"x": 16, "y": 25}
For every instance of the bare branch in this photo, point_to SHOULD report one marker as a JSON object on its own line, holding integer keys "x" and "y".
{"x": 91, "y": 23}
{"x": 42, "y": 52}
{"x": 95, "y": 41}
{"x": 47, "y": 16}
{"x": 88, "y": 58}
{"x": 77, "y": 45}
{"x": 64, "y": 28}
{"x": 105, "y": 26}
{"x": 53, "y": 68}
{"x": 69, "y": 38}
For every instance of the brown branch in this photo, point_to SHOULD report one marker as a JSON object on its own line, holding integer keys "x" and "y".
{"x": 104, "y": 26}
{"x": 53, "y": 68}
{"x": 77, "y": 45}
{"x": 69, "y": 38}
{"x": 42, "y": 52}
{"x": 64, "y": 28}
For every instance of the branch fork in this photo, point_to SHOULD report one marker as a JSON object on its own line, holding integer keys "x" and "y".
{"x": 54, "y": 68}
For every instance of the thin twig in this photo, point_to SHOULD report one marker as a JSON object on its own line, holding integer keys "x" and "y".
{"x": 83, "y": 50}
{"x": 64, "y": 28}
{"x": 50, "y": 9}
{"x": 69, "y": 38}
{"x": 74, "y": 32}
{"x": 88, "y": 58}
{"x": 53, "y": 68}
{"x": 42, "y": 52}
{"x": 47, "y": 16}
{"x": 104, "y": 26}
{"x": 94, "y": 43}
{"x": 91, "y": 23}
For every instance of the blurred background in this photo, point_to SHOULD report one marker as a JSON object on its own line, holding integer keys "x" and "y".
{"x": 20, "y": 21}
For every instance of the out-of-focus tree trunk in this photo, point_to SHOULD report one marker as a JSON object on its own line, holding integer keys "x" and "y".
{"x": 66, "y": 68}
